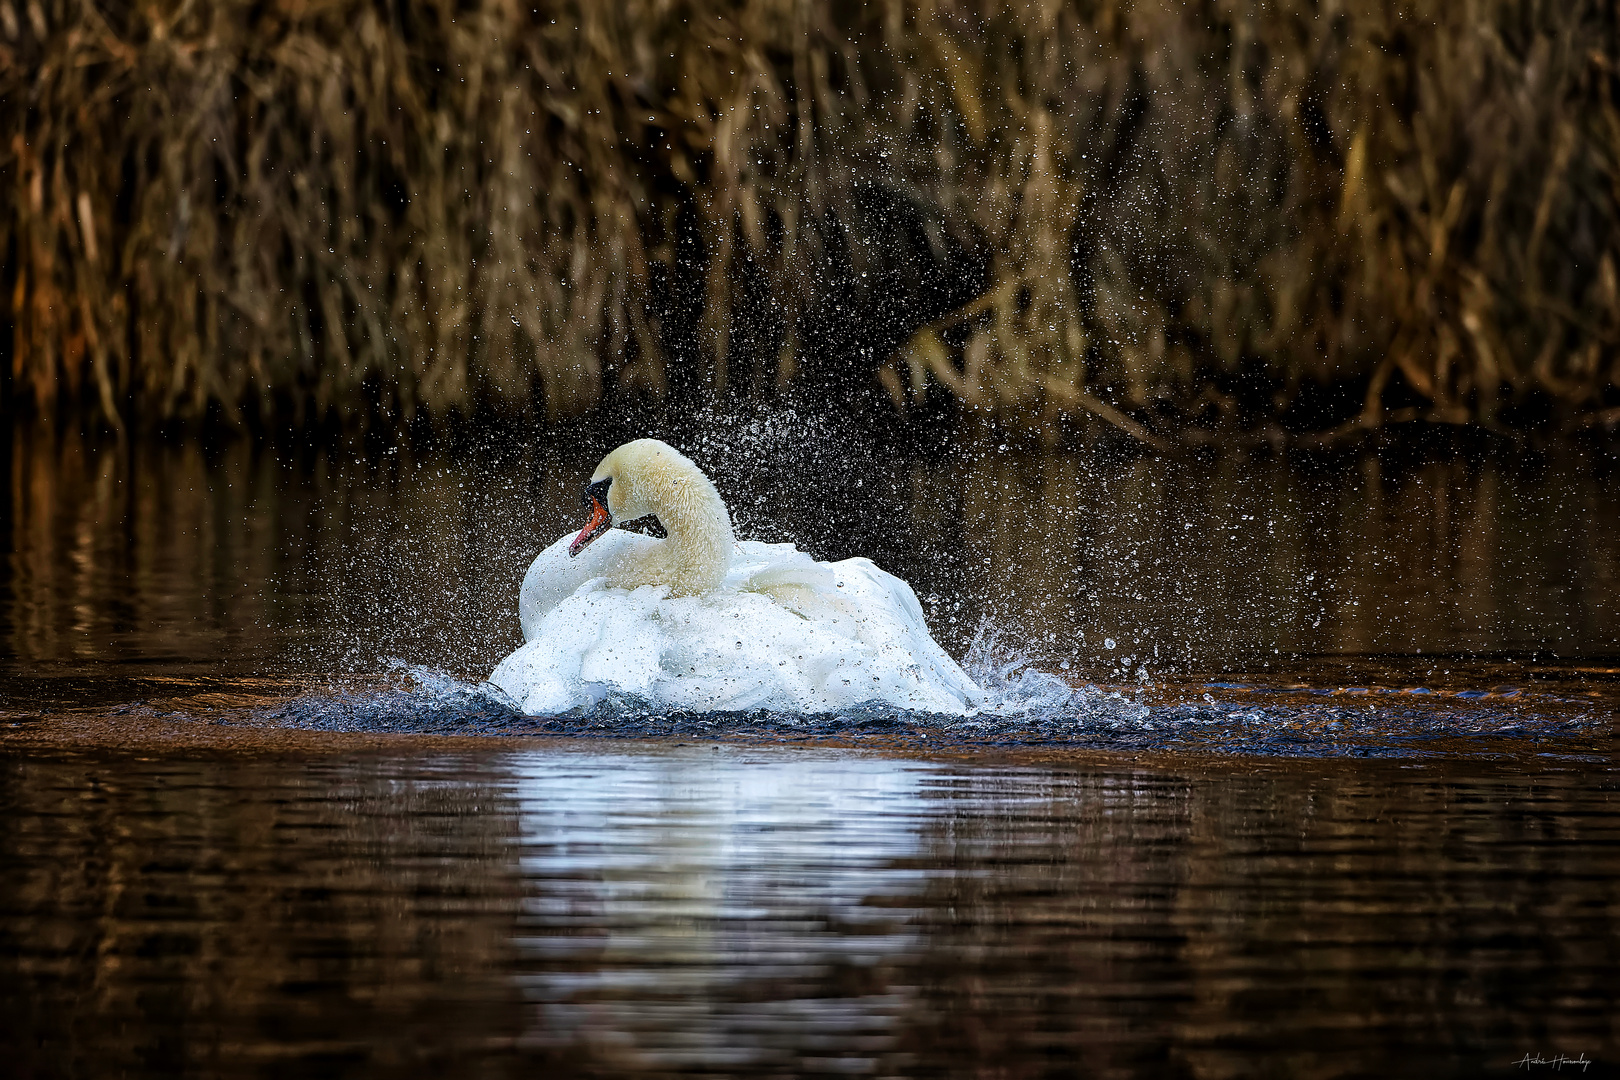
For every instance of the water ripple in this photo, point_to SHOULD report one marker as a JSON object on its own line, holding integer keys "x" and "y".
{"x": 1030, "y": 708}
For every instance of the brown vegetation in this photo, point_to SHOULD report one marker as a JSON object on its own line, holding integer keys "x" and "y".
{"x": 1168, "y": 216}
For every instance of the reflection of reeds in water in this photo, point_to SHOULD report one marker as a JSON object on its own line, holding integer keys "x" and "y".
{"x": 146, "y": 552}
{"x": 1128, "y": 912}
{"x": 1149, "y": 213}
{"x": 245, "y": 916}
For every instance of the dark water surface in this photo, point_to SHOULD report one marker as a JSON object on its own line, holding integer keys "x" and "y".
{"x": 251, "y": 560}
{"x": 1336, "y": 794}
{"x": 708, "y": 910}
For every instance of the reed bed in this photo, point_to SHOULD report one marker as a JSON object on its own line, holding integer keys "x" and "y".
{"x": 1182, "y": 220}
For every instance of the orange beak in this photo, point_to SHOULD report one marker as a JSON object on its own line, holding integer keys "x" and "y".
{"x": 601, "y": 521}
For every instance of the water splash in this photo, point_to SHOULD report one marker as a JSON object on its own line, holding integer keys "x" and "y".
{"x": 1005, "y": 670}
{"x": 412, "y": 698}
{"x": 1028, "y": 708}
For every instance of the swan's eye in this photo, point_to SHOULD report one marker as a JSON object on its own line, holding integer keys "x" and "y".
{"x": 597, "y": 492}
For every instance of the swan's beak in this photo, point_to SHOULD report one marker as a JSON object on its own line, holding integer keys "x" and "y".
{"x": 601, "y": 521}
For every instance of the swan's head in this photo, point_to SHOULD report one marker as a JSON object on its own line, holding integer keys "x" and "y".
{"x": 638, "y": 480}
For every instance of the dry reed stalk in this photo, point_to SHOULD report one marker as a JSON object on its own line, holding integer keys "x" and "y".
{"x": 357, "y": 209}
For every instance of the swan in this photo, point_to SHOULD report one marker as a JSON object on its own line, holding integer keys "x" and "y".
{"x": 697, "y": 620}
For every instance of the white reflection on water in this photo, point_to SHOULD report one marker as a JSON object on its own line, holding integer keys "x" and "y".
{"x": 697, "y": 905}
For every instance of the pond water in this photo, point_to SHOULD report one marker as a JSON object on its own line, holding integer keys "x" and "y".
{"x": 252, "y": 559}
{"x": 1327, "y": 787}
{"x": 716, "y": 910}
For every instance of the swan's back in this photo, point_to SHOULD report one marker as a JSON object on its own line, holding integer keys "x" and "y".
{"x": 864, "y": 601}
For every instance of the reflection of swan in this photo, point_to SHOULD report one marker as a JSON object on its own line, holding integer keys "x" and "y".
{"x": 696, "y": 620}
{"x": 654, "y": 890}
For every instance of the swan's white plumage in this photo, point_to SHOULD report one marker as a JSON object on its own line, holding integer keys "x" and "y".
{"x": 783, "y": 632}
{"x": 780, "y": 631}
{"x": 553, "y": 576}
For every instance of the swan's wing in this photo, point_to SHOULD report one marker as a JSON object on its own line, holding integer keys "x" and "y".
{"x": 856, "y": 599}
{"x": 891, "y": 621}
{"x": 750, "y": 558}
{"x": 793, "y": 579}
{"x": 787, "y": 633}
{"x": 554, "y": 576}
{"x": 595, "y": 640}
{"x": 862, "y": 601}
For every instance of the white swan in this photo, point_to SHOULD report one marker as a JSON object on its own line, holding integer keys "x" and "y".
{"x": 699, "y": 621}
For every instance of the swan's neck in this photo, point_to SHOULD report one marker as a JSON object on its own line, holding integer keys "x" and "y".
{"x": 695, "y": 555}
{"x": 698, "y": 547}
